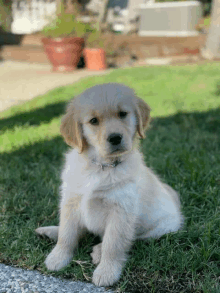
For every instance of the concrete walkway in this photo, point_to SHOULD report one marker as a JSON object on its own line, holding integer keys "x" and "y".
{"x": 15, "y": 280}
{"x": 21, "y": 81}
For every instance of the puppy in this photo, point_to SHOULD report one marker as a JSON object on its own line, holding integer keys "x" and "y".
{"x": 106, "y": 187}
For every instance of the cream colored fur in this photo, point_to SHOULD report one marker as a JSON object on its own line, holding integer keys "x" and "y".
{"x": 119, "y": 204}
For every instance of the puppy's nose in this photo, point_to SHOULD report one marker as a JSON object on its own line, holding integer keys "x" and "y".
{"x": 115, "y": 138}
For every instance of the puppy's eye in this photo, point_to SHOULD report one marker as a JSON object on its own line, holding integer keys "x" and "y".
{"x": 122, "y": 114}
{"x": 94, "y": 121}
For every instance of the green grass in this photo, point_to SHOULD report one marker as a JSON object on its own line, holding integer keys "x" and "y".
{"x": 182, "y": 146}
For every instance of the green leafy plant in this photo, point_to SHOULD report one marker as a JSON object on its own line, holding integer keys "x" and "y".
{"x": 203, "y": 24}
{"x": 5, "y": 13}
{"x": 95, "y": 39}
{"x": 65, "y": 25}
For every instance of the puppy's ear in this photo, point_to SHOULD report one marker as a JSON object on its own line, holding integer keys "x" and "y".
{"x": 143, "y": 116}
{"x": 71, "y": 130}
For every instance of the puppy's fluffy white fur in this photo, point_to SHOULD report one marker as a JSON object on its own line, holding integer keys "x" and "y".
{"x": 119, "y": 203}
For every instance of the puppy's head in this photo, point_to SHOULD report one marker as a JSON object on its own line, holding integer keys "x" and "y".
{"x": 105, "y": 117}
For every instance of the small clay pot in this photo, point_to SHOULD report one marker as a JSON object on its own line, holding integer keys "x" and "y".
{"x": 95, "y": 59}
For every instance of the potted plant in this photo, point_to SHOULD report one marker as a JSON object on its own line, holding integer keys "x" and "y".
{"x": 64, "y": 40}
{"x": 95, "y": 55}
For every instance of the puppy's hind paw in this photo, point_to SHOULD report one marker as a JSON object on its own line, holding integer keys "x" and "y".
{"x": 50, "y": 231}
{"x": 96, "y": 254}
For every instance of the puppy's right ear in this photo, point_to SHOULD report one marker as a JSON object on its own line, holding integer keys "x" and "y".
{"x": 71, "y": 130}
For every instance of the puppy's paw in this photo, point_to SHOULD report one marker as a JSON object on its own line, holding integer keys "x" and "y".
{"x": 96, "y": 254}
{"x": 51, "y": 232}
{"x": 58, "y": 258}
{"x": 106, "y": 274}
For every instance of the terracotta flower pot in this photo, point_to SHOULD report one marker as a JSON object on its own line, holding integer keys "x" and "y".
{"x": 63, "y": 53}
{"x": 95, "y": 59}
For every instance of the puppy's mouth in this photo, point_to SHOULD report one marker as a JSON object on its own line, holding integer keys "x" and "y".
{"x": 118, "y": 151}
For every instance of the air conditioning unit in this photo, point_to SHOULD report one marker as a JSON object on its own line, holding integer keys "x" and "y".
{"x": 169, "y": 18}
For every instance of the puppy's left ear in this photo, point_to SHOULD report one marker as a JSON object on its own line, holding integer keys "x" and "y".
{"x": 143, "y": 116}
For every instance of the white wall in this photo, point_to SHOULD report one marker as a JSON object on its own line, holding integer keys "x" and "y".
{"x": 29, "y": 21}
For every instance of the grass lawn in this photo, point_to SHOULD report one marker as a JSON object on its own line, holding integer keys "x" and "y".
{"x": 182, "y": 146}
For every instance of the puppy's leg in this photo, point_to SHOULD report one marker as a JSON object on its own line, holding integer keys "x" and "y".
{"x": 50, "y": 231}
{"x": 171, "y": 223}
{"x": 69, "y": 232}
{"x": 96, "y": 253}
{"x": 173, "y": 193}
{"x": 117, "y": 240}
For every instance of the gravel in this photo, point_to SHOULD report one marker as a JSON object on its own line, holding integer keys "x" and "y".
{"x": 14, "y": 280}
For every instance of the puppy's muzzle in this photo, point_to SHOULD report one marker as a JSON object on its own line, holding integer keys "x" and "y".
{"x": 114, "y": 139}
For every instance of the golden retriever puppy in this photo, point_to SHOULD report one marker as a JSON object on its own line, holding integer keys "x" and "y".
{"x": 106, "y": 187}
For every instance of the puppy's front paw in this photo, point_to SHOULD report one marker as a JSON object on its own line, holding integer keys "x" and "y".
{"x": 107, "y": 274}
{"x": 58, "y": 258}
{"x": 96, "y": 254}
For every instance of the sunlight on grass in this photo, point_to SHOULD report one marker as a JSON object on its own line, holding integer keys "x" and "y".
{"x": 21, "y": 136}
{"x": 168, "y": 90}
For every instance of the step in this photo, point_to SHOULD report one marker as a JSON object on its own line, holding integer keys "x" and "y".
{"x": 27, "y": 53}
{"x": 31, "y": 49}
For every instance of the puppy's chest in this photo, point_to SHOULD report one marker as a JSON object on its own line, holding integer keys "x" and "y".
{"x": 90, "y": 182}
{"x": 94, "y": 213}
{"x": 100, "y": 194}
{"x": 99, "y": 206}
{"x": 94, "y": 204}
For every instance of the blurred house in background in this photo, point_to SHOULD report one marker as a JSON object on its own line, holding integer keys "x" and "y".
{"x": 170, "y": 18}
{"x": 146, "y": 17}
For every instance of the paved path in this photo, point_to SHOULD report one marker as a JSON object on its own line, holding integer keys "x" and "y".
{"x": 21, "y": 81}
{"x": 14, "y": 280}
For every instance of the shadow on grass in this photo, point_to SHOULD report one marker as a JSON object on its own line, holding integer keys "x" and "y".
{"x": 184, "y": 149}
{"x": 207, "y": 121}
{"x": 35, "y": 117}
